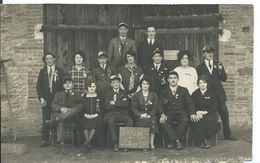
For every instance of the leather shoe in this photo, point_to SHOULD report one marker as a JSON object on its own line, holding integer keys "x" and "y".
{"x": 178, "y": 145}
{"x": 43, "y": 144}
{"x": 207, "y": 143}
{"x": 115, "y": 148}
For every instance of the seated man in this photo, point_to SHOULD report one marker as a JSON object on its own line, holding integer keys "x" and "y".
{"x": 116, "y": 109}
{"x": 65, "y": 106}
{"x": 175, "y": 104}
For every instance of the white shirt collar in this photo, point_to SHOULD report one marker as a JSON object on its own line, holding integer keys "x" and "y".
{"x": 51, "y": 67}
{"x": 174, "y": 88}
{"x": 123, "y": 38}
{"x": 148, "y": 40}
{"x": 116, "y": 90}
{"x": 159, "y": 65}
{"x": 103, "y": 66}
{"x": 207, "y": 61}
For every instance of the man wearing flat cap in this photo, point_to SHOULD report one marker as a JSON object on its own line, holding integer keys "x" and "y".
{"x": 66, "y": 105}
{"x": 216, "y": 74}
{"x": 157, "y": 71}
{"x": 119, "y": 45}
{"x": 117, "y": 105}
{"x": 48, "y": 83}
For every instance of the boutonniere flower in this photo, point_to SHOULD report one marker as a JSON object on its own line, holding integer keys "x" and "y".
{"x": 152, "y": 68}
{"x": 149, "y": 103}
{"x": 55, "y": 76}
{"x": 176, "y": 95}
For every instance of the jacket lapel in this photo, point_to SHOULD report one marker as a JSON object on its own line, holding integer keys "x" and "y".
{"x": 206, "y": 68}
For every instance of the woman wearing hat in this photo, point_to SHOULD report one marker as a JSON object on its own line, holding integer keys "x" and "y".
{"x": 130, "y": 73}
{"x": 79, "y": 74}
{"x": 187, "y": 75}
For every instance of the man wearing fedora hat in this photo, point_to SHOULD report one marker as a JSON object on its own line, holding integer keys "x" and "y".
{"x": 117, "y": 105}
{"x": 216, "y": 73}
{"x": 48, "y": 83}
{"x": 65, "y": 105}
{"x": 119, "y": 45}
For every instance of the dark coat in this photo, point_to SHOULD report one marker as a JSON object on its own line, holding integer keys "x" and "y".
{"x": 121, "y": 106}
{"x": 156, "y": 76}
{"x": 181, "y": 102}
{"x": 138, "y": 104}
{"x": 145, "y": 52}
{"x": 42, "y": 85}
{"x": 215, "y": 79}
{"x": 116, "y": 53}
{"x": 125, "y": 73}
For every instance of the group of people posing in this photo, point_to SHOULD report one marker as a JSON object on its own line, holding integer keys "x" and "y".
{"x": 135, "y": 87}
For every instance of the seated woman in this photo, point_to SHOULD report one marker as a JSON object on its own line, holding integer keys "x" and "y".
{"x": 205, "y": 102}
{"x": 131, "y": 74}
{"x": 144, "y": 108}
{"x": 90, "y": 113}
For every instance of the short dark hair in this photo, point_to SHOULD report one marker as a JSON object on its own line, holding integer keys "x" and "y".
{"x": 182, "y": 53}
{"x": 159, "y": 51}
{"x": 47, "y": 53}
{"x": 145, "y": 79}
{"x": 89, "y": 82}
{"x": 148, "y": 26}
{"x": 79, "y": 52}
{"x": 173, "y": 73}
{"x": 205, "y": 79}
{"x": 130, "y": 52}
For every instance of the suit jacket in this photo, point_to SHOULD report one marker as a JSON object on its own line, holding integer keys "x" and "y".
{"x": 121, "y": 106}
{"x": 73, "y": 101}
{"x": 145, "y": 51}
{"x": 205, "y": 102}
{"x": 139, "y": 106}
{"x": 116, "y": 52}
{"x": 138, "y": 71}
{"x": 180, "y": 103}
{"x": 42, "y": 85}
{"x": 156, "y": 76}
{"x": 214, "y": 79}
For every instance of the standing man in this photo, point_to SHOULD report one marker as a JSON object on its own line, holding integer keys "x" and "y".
{"x": 49, "y": 82}
{"x": 118, "y": 46}
{"x": 157, "y": 72}
{"x": 175, "y": 104}
{"x": 146, "y": 48}
{"x": 215, "y": 71}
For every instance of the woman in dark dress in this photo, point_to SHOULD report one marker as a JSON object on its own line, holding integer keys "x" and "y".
{"x": 90, "y": 113}
{"x": 131, "y": 74}
{"x": 144, "y": 108}
{"x": 205, "y": 102}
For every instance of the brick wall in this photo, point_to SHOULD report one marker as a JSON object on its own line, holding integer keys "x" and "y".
{"x": 17, "y": 42}
{"x": 237, "y": 57}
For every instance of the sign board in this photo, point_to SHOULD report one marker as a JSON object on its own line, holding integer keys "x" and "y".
{"x": 134, "y": 137}
{"x": 171, "y": 55}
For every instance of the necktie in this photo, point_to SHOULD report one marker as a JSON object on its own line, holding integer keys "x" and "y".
{"x": 131, "y": 79}
{"x": 156, "y": 67}
{"x": 67, "y": 95}
{"x": 50, "y": 74}
{"x": 115, "y": 95}
{"x": 151, "y": 43}
{"x": 210, "y": 65}
{"x": 173, "y": 92}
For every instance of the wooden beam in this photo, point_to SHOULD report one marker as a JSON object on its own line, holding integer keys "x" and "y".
{"x": 182, "y": 30}
{"x": 78, "y": 27}
{"x": 182, "y": 18}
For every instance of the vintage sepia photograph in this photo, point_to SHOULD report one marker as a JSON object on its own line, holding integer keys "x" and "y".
{"x": 125, "y": 83}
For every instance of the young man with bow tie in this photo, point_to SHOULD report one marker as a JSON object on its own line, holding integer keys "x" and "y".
{"x": 117, "y": 105}
{"x": 216, "y": 73}
{"x": 118, "y": 46}
{"x": 175, "y": 105}
{"x": 49, "y": 82}
{"x": 146, "y": 48}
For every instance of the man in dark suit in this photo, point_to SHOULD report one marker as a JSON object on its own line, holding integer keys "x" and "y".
{"x": 215, "y": 71}
{"x": 146, "y": 48}
{"x": 48, "y": 83}
{"x": 157, "y": 72}
{"x": 118, "y": 47}
{"x": 175, "y": 104}
{"x": 65, "y": 106}
{"x": 117, "y": 106}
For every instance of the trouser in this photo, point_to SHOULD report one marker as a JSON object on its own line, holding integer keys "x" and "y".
{"x": 117, "y": 118}
{"x": 46, "y": 115}
{"x": 224, "y": 115}
{"x": 179, "y": 132}
{"x": 64, "y": 119}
